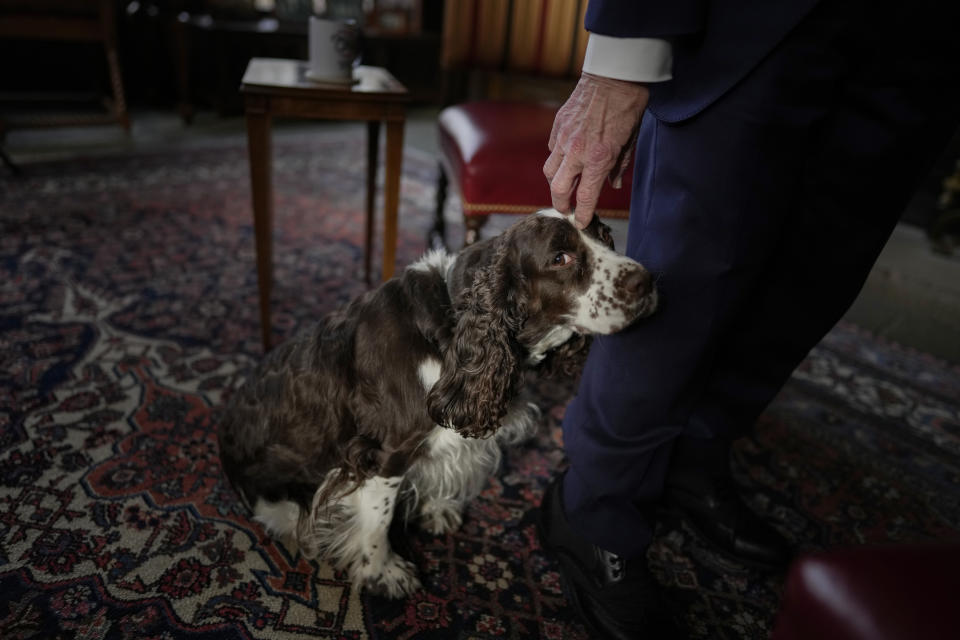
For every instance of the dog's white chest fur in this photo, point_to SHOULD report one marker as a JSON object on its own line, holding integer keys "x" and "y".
{"x": 429, "y": 372}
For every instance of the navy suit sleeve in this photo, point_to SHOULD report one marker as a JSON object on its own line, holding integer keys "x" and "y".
{"x": 645, "y": 18}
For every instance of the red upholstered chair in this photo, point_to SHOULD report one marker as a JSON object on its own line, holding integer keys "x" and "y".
{"x": 873, "y": 593}
{"x": 522, "y": 59}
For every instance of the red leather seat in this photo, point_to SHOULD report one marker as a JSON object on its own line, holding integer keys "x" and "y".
{"x": 873, "y": 593}
{"x": 493, "y": 153}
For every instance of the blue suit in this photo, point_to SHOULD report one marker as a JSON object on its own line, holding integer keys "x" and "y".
{"x": 769, "y": 173}
{"x": 715, "y": 44}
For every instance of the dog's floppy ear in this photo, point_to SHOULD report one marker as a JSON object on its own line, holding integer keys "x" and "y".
{"x": 482, "y": 368}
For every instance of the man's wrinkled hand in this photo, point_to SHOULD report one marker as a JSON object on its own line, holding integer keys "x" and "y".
{"x": 592, "y": 138}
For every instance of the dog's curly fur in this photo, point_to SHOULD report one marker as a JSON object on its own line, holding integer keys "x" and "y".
{"x": 405, "y": 387}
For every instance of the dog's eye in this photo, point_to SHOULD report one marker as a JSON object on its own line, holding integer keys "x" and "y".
{"x": 562, "y": 259}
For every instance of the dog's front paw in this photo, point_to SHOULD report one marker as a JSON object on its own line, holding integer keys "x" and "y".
{"x": 395, "y": 578}
{"x": 440, "y": 517}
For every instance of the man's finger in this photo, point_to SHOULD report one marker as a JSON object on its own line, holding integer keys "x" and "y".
{"x": 561, "y": 187}
{"x": 552, "y": 164}
{"x": 587, "y": 194}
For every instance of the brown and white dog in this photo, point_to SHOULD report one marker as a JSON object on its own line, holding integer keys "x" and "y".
{"x": 414, "y": 386}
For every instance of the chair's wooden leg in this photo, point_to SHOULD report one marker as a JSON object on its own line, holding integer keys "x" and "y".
{"x": 119, "y": 100}
{"x": 258, "y": 144}
{"x": 436, "y": 237}
{"x": 373, "y": 147}
{"x": 108, "y": 24}
{"x": 10, "y": 164}
{"x": 181, "y": 39}
{"x": 391, "y": 194}
{"x": 473, "y": 223}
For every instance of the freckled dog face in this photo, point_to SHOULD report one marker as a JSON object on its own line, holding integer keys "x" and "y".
{"x": 576, "y": 279}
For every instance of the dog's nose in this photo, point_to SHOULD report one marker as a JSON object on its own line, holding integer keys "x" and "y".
{"x": 639, "y": 281}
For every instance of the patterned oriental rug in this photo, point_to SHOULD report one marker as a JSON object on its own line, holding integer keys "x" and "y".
{"x": 128, "y": 311}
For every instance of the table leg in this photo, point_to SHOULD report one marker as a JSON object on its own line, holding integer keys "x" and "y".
{"x": 391, "y": 194}
{"x": 373, "y": 147}
{"x": 258, "y": 145}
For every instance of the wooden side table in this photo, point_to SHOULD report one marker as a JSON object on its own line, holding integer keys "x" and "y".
{"x": 276, "y": 87}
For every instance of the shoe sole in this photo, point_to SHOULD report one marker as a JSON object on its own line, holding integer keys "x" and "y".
{"x": 757, "y": 565}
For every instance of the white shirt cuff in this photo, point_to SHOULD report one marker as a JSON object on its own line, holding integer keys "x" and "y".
{"x": 633, "y": 59}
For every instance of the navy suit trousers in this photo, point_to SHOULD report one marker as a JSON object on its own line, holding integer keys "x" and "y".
{"x": 761, "y": 217}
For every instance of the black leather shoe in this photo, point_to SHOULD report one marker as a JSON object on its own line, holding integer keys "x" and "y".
{"x": 713, "y": 508}
{"x": 615, "y": 598}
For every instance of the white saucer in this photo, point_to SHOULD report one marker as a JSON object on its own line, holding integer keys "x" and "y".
{"x": 325, "y": 80}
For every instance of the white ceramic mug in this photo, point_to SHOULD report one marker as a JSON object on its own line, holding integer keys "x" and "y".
{"x": 334, "y": 46}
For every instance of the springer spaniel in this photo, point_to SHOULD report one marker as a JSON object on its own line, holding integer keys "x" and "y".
{"x": 413, "y": 386}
